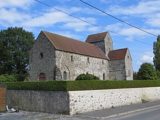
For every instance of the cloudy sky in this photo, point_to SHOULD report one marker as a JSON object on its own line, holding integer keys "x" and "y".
{"x": 35, "y": 17}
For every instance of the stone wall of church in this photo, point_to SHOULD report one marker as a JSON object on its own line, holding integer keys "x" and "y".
{"x": 42, "y": 59}
{"x": 117, "y": 70}
{"x": 71, "y": 65}
{"x": 128, "y": 66}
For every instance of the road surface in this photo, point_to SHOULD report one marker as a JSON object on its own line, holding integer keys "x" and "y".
{"x": 145, "y": 111}
{"x": 150, "y": 114}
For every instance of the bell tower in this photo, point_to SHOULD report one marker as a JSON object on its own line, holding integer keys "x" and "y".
{"x": 102, "y": 40}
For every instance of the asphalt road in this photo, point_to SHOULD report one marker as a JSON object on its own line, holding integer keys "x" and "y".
{"x": 150, "y": 114}
{"x": 145, "y": 111}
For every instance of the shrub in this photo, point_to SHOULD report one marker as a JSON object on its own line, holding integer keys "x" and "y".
{"x": 87, "y": 77}
{"x": 8, "y": 78}
{"x": 147, "y": 72}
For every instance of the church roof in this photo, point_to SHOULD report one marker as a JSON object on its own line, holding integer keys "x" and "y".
{"x": 117, "y": 54}
{"x": 96, "y": 37}
{"x": 74, "y": 46}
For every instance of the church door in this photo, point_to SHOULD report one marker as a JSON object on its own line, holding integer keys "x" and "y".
{"x": 42, "y": 76}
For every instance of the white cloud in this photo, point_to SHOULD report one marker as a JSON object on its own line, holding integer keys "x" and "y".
{"x": 143, "y": 7}
{"x": 68, "y": 34}
{"x": 47, "y": 18}
{"x": 15, "y": 3}
{"x": 12, "y": 16}
{"x": 126, "y": 31}
{"x": 147, "y": 57}
{"x": 148, "y": 10}
{"x": 154, "y": 20}
{"x": 130, "y": 33}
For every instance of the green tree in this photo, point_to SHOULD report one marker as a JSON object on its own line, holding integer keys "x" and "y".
{"x": 135, "y": 76}
{"x": 158, "y": 74}
{"x": 156, "y": 51}
{"x": 15, "y": 44}
{"x": 147, "y": 72}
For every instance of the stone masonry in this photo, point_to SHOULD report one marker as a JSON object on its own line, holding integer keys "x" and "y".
{"x": 55, "y": 57}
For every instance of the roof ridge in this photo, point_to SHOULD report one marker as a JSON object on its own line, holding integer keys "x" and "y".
{"x": 67, "y": 44}
{"x": 96, "y": 37}
{"x": 119, "y": 49}
{"x": 68, "y": 38}
{"x": 98, "y": 33}
{"x": 118, "y": 54}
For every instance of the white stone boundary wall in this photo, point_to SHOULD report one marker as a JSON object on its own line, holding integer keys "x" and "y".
{"x": 90, "y": 100}
{"x": 73, "y": 102}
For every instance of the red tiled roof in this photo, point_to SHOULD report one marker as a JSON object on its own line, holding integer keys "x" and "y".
{"x": 117, "y": 54}
{"x": 96, "y": 37}
{"x": 74, "y": 46}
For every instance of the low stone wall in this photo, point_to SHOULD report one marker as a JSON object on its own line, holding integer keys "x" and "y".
{"x": 2, "y": 98}
{"x": 73, "y": 102}
{"x": 39, "y": 101}
{"x": 84, "y": 101}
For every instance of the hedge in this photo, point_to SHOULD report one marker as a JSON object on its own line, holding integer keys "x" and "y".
{"x": 87, "y": 76}
{"x": 80, "y": 85}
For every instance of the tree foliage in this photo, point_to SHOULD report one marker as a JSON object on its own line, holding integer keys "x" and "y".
{"x": 147, "y": 72}
{"x": 87, "y": 77}
{"x": 156, "y": 51}
{"x": 15, "y": 44}
{"x": 158, "y": 74}
{"x": 8, "y": 78}
{"x": 135, "y": 77}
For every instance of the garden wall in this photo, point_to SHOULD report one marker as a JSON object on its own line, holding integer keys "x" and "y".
{"x": 90, "y": 100}
{"x": 73, "y": 102}
{"x": 2, "y": 98}
{"x": 39, "y": 101}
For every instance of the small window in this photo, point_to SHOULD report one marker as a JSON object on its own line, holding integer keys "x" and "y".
{"x": 41, "y": 55}
{"x": 88, "y": 60}
{"x": 104, "y": 76}
{"x": 65, "y": 75}
{"x": 102, "y": 61}
{"x": 42, "y": 76}
{"x": 71, "y": 58}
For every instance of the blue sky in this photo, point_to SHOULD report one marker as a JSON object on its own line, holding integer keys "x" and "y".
{"x": 35, "y": 17}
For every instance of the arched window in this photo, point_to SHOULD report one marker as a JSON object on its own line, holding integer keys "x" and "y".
{"x": 41, "y": 55}
{"x": 42, "y": 76}
{"x": 88, "y": 60}
{"x": 104, "y": 76}
{"x": 65, "y": 75}
{"x": 102, "y": 61}
{"x": 71, "y": 58}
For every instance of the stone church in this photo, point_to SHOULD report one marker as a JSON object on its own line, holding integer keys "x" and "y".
{"x": 56, "y": 57}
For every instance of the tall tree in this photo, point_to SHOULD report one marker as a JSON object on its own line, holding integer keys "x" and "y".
{"x": 147, "y": 72}
{"x": 15, "y": 44}
{"x": 156, "y": 51}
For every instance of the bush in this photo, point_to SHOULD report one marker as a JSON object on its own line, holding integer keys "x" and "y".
{"x": 80, "y": 85}
{"x": 87, "y": 77}
{"x": 158, "y": 74}
{"x": 8, "y": 78}
{"x": 147, "y": 72}
{"x": 44, "y": 86}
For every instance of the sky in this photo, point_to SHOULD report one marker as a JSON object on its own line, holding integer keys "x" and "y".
{"x": 35, "y": 17}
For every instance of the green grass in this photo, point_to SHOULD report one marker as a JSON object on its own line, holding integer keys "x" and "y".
{"x": 80, "y": 85}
